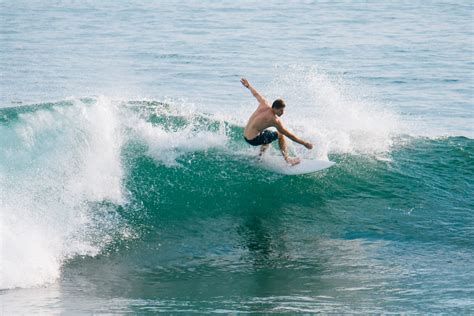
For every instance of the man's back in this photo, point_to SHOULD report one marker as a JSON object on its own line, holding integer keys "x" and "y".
{"x": 261, "y": 119}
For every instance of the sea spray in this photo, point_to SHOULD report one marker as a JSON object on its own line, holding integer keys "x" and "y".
{"x": 333, "y": 113}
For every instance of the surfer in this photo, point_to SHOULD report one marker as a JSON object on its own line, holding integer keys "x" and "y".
{"x": 265, "y": 116}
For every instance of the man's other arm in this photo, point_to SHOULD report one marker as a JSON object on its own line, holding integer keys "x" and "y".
{"x": 282, "y": 129}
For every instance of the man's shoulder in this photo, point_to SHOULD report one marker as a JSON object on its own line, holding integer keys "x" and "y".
{"x": 264, "y": 104}
{"x": 264, "y": 112}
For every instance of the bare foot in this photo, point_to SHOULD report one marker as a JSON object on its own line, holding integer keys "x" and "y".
{"x": 293, "y": 161}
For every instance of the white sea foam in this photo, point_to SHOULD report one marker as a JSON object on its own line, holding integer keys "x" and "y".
{"x": 55, "y": 162}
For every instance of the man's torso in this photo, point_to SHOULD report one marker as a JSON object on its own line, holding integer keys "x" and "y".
{"x": 261, "y": 119}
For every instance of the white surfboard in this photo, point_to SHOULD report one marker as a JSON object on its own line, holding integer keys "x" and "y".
{"x": 279, "y": 165}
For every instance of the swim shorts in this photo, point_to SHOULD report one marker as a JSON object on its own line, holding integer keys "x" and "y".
{"x": 265, "y": 137}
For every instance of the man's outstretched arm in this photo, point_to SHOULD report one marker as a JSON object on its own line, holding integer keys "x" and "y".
{"x": 282, "y": 129}
{"x": 255, "y": 93}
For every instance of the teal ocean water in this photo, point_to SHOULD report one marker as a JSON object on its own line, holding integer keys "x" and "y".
{"x": 126, "y": 186}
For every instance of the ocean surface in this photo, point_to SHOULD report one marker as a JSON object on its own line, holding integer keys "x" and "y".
{"x": 126, "y": 185}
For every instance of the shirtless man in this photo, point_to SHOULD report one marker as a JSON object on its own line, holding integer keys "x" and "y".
{"x": 265, "y": 116}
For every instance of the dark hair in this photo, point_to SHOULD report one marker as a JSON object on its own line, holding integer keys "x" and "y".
{"x": 278, "y": 104}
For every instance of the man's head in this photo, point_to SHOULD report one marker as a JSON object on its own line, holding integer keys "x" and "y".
{"x": 278, "y": 107}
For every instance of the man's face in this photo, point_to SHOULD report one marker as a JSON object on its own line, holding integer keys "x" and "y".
{"x": 280, "y": 112}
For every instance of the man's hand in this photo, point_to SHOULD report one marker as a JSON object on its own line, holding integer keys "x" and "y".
{"x": 308, "y": 145}
{"x": 245, "y": 82}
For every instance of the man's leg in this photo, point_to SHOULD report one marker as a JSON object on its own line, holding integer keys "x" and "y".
{"x": 284, "y": 150}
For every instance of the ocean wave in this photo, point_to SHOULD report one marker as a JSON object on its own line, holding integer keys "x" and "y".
{"x": 80, "y": 175}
